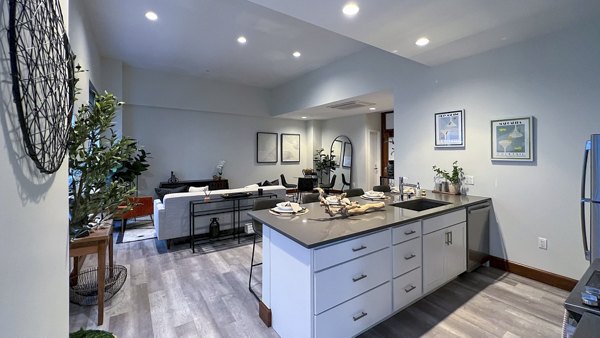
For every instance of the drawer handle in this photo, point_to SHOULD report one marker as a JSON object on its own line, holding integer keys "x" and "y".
{"x": 411, "y": 256}
{"x": 356, "y": 279}
{"x": 409, "y": 288}
{"x": 359, "y": 316}
{"x": 409, "y": 232}
{"x": 359, "y": 248}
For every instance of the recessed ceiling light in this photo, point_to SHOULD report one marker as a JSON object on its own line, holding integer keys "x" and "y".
{"x": 296, "y": 54}
{"x": 395, "y": 51}
{"x": 150, "y": 15}
{"x": 303, "y": 117}
{"x": 422, "y": 42}
{"x": 372, "y": 108}
{"x": 242, "y": 40}
{"x": 350, "y": 9}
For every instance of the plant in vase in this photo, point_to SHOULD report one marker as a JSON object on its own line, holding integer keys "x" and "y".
{"x": 324, "y": 164}
{"x": 219, "y": 170}
{"x": 454, "y": 178}
{"x": 94, "y": 153}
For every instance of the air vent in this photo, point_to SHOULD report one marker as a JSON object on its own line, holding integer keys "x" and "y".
{"x": 350, "y": 105}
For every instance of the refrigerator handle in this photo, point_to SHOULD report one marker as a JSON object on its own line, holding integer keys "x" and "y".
{"x": 582, "y": 201}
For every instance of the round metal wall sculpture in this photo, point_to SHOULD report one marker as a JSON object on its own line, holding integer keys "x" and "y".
{"x": 42, "y": 78}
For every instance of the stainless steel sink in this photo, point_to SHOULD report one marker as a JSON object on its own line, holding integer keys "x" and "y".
{"x": 420, "y": 204}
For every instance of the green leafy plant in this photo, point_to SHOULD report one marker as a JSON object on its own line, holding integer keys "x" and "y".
{"x": 454, "y": 177}
{"x": 323, "y": 162}
{"x": 91, "y": 334}
{"x": 94, "y": 152}
{"x": 129, "y": 169}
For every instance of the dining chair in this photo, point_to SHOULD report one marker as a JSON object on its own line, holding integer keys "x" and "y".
{"x": 286, "y": 184}
{"x": 345, "y": 182}
{"x": 354, "y": 192}
{"x": 259, "y": 204}
{"x": 329, "y": 186}
{"x": 311, "y": 198}
{"x": 382, "y": 188}
{"x": 305, "y": 185}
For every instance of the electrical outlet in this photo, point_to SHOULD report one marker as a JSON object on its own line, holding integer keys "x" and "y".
{"x": 469, "y": 180}
{"x": 542, "y": 243}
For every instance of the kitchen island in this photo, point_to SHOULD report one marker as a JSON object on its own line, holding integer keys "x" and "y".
{"x": 336, "y": 277}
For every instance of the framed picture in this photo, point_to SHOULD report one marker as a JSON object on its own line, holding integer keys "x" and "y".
{"x": 290, "y": 148}
{"x": 450, "y": 129}
{"x": 347, "y": 156}
{"x": 336, "y": 150}
{"x": 512, "y": 139}
{"x": 266, "y": 147}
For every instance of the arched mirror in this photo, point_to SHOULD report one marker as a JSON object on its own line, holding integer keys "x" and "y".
{"x": 341, "y": 147}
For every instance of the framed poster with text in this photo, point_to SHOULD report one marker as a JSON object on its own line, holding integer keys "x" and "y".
{"x": 512, "y": 139}
{"x": 450, "y": 129}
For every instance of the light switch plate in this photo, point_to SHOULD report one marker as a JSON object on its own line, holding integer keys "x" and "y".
{"x": 469, "y": 180}
{"x": 542, "y": 243}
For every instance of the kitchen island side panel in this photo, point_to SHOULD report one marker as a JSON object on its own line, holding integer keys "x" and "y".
{"x": 290, "y": 284}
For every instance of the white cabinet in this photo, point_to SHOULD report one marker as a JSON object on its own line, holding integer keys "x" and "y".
{"x": 345, "y": 281}
{"x": 345, "y": 287}
{"x": 356, "y": 315}
{"x": 407, "y": 288}
{"x": 444, "y": 256}
{"x": 406, "y": 268}
{"x": 407, "y": 256}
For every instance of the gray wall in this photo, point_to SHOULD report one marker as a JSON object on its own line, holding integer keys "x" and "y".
{"x": 189, "y": 124}
{"x": 554, "y": 78}
{"x": 34, "y": 240}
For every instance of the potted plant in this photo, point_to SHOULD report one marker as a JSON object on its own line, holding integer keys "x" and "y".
{"x": 94, "y": 152}
{"x": 324, "y": 164}
{"x": 131, "y": 168}
{"x": 454, "y": 178}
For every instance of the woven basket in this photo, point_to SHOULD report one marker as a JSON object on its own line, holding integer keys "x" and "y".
{"x": 85, "y": 292}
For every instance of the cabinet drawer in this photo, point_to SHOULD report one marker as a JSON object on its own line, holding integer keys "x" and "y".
{"x": 405, "y": 232}
{"x": 407, "y": 256}
{"x": 407, "y": 288}
{"x": 356, "y": 315}
{"x": 443, "y": 221}
{"x": 340, "y": 283}
{"x": 345, "y": 251}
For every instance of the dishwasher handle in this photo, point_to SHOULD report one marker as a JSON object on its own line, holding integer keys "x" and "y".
{"x": 484, "y": 207}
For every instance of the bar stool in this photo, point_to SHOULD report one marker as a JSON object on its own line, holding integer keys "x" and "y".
{"x": 259, "y": 204}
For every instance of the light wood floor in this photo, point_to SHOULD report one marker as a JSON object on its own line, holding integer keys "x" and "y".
{"x": 179, "y": 294}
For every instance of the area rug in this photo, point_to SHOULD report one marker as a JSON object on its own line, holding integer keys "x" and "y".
{"x": 138, "y": 231}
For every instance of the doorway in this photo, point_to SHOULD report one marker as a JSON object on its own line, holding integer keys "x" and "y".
{"x": 373, "y": 162}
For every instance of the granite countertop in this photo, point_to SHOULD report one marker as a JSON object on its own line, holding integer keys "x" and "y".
{"x": 317, "y": 228}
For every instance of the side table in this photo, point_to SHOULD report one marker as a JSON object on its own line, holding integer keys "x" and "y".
{"x": 96, "y": 242}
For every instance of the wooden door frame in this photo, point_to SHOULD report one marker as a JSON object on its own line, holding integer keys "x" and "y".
{"x": 386, "y": 133}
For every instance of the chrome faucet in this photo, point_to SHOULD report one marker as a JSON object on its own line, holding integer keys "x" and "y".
{"x": 416, "y": 187}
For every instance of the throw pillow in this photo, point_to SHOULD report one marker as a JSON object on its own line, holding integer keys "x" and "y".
{"x": 161, "y": 192}
{"x": 198, "y": 189}
{"x": 275, "y": 182}
{"x": 266, "y": 183}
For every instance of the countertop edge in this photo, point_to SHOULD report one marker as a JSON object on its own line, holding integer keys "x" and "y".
{"x": 371, "y": 230}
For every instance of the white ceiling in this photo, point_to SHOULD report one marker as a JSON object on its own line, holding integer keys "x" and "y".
{"x": 198, "y": 37}
{"x": 382, "y": 102}
{"x": 456, "y": 29}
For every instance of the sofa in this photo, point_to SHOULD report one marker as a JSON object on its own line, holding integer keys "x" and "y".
{"x": 172, "y": 214}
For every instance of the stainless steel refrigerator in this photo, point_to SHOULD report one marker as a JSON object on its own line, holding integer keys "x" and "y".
{"x": 591, "y": 159}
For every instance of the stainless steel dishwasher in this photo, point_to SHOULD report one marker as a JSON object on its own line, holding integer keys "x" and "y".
{"x": 478, "y": 235}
